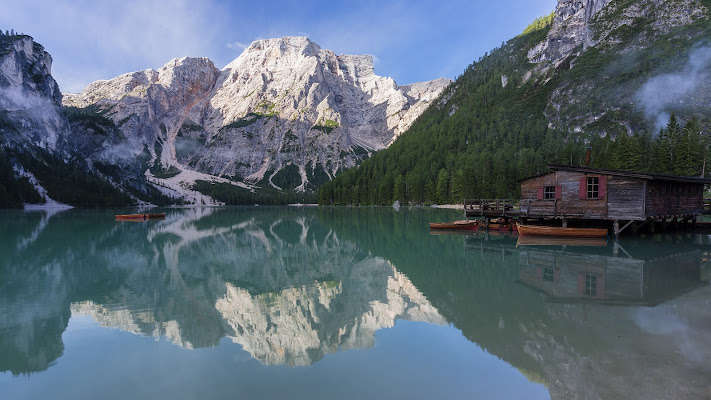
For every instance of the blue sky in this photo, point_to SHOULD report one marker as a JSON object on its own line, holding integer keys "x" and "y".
{"x": 411, "y": 41}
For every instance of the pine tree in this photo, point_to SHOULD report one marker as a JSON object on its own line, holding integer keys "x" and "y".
{"x": 662, "y": 161}
{"x": 442, "y": 186}
{"x": 690, "y": 155}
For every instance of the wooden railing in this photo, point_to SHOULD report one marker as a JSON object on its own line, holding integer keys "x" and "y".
{"x": 707, "y": 206}
{"x": 510, "y": 208}
{"x": 490, "y": 206}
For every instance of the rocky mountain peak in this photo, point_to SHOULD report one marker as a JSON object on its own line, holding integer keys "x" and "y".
{"x": 27, "y": 66}
{"x": 29, "y": 97}
{"x": 570, "y": 30}
{"x": 285, "y": 114}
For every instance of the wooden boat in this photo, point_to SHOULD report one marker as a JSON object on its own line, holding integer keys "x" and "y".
{"x": 139, "y": 217}
{"x": 499, "y": 225}
{"x": 535, "y": 230}
{"x": 456, "y": 225}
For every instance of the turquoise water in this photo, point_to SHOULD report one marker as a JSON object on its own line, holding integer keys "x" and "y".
{"x": 282, "y": 302}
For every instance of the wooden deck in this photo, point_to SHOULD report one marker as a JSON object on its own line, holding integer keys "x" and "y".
{"x": 492, "y": 208}
{"x": 528, "y": 210}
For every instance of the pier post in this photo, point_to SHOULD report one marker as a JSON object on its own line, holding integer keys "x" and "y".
{"x": 616, "y": 227}
{"x": 565, "y": 222}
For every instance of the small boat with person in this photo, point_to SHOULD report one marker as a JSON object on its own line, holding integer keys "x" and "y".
{"x": 456, "y": 225}
{"x": 540, "y": 230}
{"x": 139, "y": 217}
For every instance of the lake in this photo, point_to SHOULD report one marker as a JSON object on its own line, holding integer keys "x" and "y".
{"x": 346, "y": 303}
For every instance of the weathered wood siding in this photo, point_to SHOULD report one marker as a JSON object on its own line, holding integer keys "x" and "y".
{"x": 625, "y": 198}
{"x": 673, "y": 198}
{"x": 622, "y": 197}
{"x": 572, "y": 204}
{"x": 569, "y": 204}
{"x": 529, "y": 187}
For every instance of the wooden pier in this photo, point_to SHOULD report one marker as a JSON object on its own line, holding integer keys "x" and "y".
{"x": 614, "y": 199}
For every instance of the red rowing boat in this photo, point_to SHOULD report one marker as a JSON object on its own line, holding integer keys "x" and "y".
{"x": 139, "y": 217}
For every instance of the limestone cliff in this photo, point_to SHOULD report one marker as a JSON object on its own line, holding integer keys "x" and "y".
{"x": 30, "y": 100}
{"x": 284, "y": 105}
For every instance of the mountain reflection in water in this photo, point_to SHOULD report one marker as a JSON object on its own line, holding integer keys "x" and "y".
{"x": 625, "y": 320}
{"x": 285, "y": 288}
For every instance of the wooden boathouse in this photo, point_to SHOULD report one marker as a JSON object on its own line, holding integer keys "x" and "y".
{"x": 584, "y": 196}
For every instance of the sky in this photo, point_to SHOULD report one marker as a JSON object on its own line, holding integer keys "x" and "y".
{"x": 410, "y": 41}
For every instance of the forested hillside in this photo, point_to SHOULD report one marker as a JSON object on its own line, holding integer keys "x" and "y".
{"x": 505, "y": 118}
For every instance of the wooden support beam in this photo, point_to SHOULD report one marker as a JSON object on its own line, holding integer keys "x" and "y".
{"x": 623, "y": 228}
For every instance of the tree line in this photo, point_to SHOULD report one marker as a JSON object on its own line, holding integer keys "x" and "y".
{"x": 490, "y": 128}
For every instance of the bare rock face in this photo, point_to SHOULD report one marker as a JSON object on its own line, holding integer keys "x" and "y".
{"x": 580, "y": 24}
{"x": 284, "y": 106}
{"x": 30, "y": 100}
{"x": 570, "y": 30}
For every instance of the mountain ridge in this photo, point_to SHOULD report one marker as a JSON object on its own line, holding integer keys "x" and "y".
{"x": 282, "y": 118}
{"x": 515, "y": 110}
{"x": 283, "y": 103}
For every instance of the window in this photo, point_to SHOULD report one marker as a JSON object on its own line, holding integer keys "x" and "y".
{"x": 549, "y": 192}
{"x": 590, "y": 285}
{"x": 549, "y": 274}
{"x": 593, "y": 187}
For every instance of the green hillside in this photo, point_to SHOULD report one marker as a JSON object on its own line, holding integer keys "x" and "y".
{"x": 505, "y": 118}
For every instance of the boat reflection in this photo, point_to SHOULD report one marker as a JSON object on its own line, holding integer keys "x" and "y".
{"x": 559, "y": 241}
{"x": 629, "y": 319}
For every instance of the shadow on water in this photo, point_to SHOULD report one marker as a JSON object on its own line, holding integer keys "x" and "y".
{"x": 292, "y": 284}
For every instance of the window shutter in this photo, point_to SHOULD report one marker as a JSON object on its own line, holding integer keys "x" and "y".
{"x": 583, "y": 187}
{"x": 581, "y": 284}
{"x": 540, "y": 193}
{"x": 558, "y": 192}
{"x": 602, "y": 187}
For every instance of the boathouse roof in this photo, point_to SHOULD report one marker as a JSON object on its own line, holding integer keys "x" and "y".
{"x": 617, "y": 172}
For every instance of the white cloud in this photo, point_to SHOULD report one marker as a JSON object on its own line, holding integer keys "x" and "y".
{"x": 239, "y": 46}
{"x": 102, "y": 39}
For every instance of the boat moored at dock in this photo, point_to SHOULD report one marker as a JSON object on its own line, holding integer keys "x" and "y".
{"x": 558, "y": 231}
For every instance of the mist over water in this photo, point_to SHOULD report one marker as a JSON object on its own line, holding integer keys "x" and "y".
{"x": 662, "y": 93}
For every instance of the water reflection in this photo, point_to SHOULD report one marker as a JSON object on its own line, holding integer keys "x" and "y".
{"x": 275, "y": 281}
{"x": 627, "y": 319}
